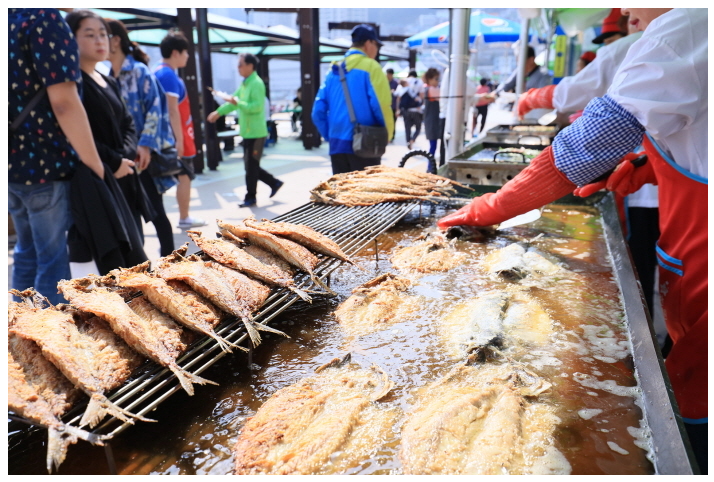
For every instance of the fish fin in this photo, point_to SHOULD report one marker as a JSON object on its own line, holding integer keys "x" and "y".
{"x": 188, "y": 379}
{"x": 320, "y": 283}
{"x": 250, "y": 328}
{"x": 387, "y": 384}
{"x": 302, "y": 294}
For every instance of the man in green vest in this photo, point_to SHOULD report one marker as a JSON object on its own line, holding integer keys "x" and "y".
{"x": 249, "y": 101}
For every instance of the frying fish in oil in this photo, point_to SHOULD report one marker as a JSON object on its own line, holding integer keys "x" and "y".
{"x": 301, "y": 234}
{"x": 323, "y": 424}
{"x": 480, "y": 420}
{"x": 93, "y": 365}
{"x": 376, "y": 304}
{"x": 26, "y": 399}
{"x": 514, "y": 262}
{"x": 495, "y": 319}
{"x": 432, "y": 254}
{"x": 292, "y": 252}
{"x": 230, "y": 255}
{"x": 184, "y": 306}
{"x": 148, "y": 338}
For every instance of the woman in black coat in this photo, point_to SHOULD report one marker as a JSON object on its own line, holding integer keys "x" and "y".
{"x": 112, "y": 125}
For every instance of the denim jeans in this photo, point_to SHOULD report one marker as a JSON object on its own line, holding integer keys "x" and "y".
{"x": 41, "y": 215}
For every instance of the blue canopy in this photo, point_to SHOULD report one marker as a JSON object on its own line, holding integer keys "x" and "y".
{"x": 491, "y": 28}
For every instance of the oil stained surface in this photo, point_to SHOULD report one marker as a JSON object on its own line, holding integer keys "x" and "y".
{"x": 587, "y": 360}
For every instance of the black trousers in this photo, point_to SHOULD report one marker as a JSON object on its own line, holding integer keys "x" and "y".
{"x": 412, "y": 119}
{"x": 481, "y": 110}
{"x": 161, "y": 221}
{"x": 342, "y": 163}
{"x": 252, "y": 152}
{"x": 643, "y": 233}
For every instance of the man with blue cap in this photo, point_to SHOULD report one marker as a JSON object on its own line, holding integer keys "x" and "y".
{"x": 371, "y": 99}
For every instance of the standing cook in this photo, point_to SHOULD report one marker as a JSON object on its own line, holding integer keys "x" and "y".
{"x": 671, "y": 57}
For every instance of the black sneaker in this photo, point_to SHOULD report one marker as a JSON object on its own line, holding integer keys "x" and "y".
{"x": 275, "y": 188}
{"x": 247, "y": 203}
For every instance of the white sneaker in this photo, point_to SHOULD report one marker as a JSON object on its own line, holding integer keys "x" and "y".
{"x": 190, "y": 222}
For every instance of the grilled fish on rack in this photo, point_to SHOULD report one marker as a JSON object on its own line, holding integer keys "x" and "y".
{"x": 295, "y": 254}
{"x": 149, "y": 339}
{"x": 480, "y": 420}
{"x": 183, "y": 305}
{"x": 268, "y": 258}
{"x": 218, "y": 289}
{"x": 230, "y": 255}
{"x": 95, "y": 364}
{"x": 26, "y": 398}
{"x": 360, "y": 198}
{"x": 301, "y": 234}
{"x": 376, "y": 304}
{"x": 326, "y": 423}
{"x": 435, "y": 253}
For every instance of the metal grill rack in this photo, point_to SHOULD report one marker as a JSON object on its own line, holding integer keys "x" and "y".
{"x": 353, "y": 228}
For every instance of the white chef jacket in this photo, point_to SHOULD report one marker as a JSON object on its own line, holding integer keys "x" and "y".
{"x": 573, "y": 93}
{"x": 663, "y": 82}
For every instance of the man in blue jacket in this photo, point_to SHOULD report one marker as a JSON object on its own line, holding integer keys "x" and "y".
{"x": 371, "y": 99}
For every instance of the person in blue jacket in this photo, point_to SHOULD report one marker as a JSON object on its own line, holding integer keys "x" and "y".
{"x": 371, "y": 99}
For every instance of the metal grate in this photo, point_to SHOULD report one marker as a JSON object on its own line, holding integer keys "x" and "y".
{"x": 352, "y": 228}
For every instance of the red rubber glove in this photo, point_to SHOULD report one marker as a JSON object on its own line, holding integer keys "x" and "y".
{"x": 537, "y": 185}
{"x": 626, "y": 179}
{"x": 536, "y": 99}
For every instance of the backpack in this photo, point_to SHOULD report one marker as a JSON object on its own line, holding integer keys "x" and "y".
{"x": 408, "y": 102}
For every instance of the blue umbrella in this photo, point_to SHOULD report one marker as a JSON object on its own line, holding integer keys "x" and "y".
{"x": 491, "y": 28}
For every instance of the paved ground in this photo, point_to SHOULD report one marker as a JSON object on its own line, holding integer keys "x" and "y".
{"x": 216, "y": 194}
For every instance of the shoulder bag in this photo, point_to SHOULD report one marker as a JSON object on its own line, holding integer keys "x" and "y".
{"x": 165, "y": 163}
{"x": 367, "y": 141}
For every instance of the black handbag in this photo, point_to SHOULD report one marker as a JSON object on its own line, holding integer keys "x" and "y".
{"x": 165, "y": 163}
{"x": 367, "y": 141}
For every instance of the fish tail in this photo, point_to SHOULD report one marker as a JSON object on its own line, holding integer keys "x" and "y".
{"x": 188, "y": 379}
{"x": 319, "y": 282}
{"x": 251, "y": 329}
{"x": 59, "y": 439}
{"x": 302, "y": 294}
{"x": 94, "y": 413}
{"x": 263, "y": 327}
{"x": 224, "y": 344}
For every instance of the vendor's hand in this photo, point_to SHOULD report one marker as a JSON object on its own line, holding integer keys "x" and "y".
{"x": 535, "y": 186}
{"x": 213, "y": 117}
{"x": 626, "y": 179}
{"x": 125, "y": 168}
{"x": 143, "y": 157}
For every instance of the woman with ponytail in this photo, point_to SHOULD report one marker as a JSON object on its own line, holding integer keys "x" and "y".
{"x": 146, "y": 102}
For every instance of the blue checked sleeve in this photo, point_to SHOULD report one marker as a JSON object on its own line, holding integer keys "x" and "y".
{"x": 597, "y": 141}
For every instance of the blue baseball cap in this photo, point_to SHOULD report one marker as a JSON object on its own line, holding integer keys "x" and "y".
{"x": 364, "y": 32}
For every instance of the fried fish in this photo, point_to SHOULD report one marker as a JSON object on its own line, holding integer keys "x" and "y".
{"x": 294, "y": 253}
{"x": 478, "y": 420}
{"x": 182, "y": 304}
{"x": 229, "y": 254}
{"x": 326, "y": 423}
{"x": 150, "y": 339}
{"x": 93, "y": 365}
{"x": 435, "y": 253}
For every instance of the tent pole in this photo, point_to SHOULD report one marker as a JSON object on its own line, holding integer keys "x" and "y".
{"x": 458, "y": 63}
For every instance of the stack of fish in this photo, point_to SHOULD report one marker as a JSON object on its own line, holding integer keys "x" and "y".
{"x": 116, "y": 322}
{"x": 377, "y": 184}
